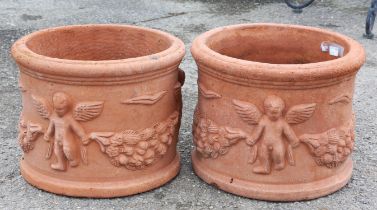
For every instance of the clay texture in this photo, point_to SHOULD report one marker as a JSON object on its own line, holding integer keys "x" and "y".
{"x": 95, "y": 98}
{"x": 274, "y": 118}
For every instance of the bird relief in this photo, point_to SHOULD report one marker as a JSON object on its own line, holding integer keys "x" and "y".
{"x": 64, "y": 128}
{"x": 273, "y": 138}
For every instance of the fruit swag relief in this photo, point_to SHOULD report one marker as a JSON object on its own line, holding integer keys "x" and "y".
{"x": 331, "y": 148}
{"x": 138, "y": 149}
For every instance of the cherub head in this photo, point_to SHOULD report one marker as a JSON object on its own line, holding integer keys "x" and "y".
{"x": 274, "y": 107}
{"x": 61, "y": 103}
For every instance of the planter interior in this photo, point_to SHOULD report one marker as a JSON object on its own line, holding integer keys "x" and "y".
{"x": 98, "y": 44}
{"x": 273, "y": 45}
{"x": 108, "y": 100}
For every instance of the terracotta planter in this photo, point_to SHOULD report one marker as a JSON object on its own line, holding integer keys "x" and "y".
{"x": 274, "y": 119}
{"x": 101, "y": 109}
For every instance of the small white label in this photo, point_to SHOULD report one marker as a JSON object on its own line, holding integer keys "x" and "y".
{"x": 333, "y": 49}
{"x": 324, "y": 47}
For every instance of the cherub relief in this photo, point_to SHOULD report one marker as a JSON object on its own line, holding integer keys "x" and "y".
{"x": 64, "y": 126}
{"x": 273, "y": 134}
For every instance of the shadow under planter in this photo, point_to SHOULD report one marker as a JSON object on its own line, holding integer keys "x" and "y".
{"x": 274, "y": 118}
{"x": 101, "y": 109}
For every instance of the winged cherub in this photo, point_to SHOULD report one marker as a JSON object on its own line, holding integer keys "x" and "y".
{"x": 64, "y": 126}
{"x": 271, "y": 131}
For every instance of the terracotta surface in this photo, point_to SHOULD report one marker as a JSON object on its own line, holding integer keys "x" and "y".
{"x": 274, "y": 119}
{"x": 101, "y": 109}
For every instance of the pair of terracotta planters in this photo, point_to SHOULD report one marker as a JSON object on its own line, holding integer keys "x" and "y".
{"x": 102, "y": 108}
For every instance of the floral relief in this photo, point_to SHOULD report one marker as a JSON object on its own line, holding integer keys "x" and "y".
{"x": 331, "y": 148}
{"x": 138, "y": 149}
{"x": 28, "y": 133}
{"x": 212, "y": 140}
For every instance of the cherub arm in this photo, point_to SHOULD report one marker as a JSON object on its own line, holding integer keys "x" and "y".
{"x": 79, "y": 131}
{"x": 254, "y": 137}
{"x": 291, "y": 136}
{"x": 50, "y": 131}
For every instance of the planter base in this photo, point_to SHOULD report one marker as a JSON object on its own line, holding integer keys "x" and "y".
{"x": 271, "y": 192}
{"x": 101, "y": 189}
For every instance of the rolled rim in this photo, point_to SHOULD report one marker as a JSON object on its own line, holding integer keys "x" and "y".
{"x": 25, "y": 57}
{"x": 348, "y": 64}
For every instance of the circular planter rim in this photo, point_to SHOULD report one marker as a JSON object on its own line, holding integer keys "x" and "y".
{"x": 238, "y": 68}
{"x": 101, "y": 68}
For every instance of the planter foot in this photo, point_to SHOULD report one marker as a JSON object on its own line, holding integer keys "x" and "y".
{"x": 100, "y": 189}
{"x": 271, "y": 192}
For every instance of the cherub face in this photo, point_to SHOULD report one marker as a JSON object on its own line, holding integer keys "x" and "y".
{"x": 274, "y": 107}
{"x": 61, "y": 103}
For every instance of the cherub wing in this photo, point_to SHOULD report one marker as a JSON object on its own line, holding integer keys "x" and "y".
{"x": 42, "y": 106}
{"x": 300, "y": 113}
{"x": 247, "y": 111}
{"x": 86, "y": 111}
